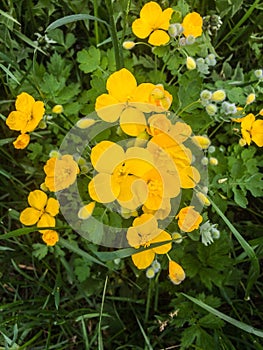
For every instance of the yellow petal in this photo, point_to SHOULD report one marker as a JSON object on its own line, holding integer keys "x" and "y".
{"x": 22, "y": 141}
{"x": 142, "y": 94}
{"x": 257, "y": 132}
{"x": 164, "y": 20}
{"x": 132, "y": 121}
{"x": 143, "y": 259}
{"x": 86, "y": 211}
{"x": 147, "y": 225}
{"x": 38, "y": 111}
{"x": 192, "y": 24}
{"x": 52, "y": 206}
{"x": 17, "y": 120}
{"x": 46, "y": 220}
{"x": 121, "y": 85}
{"x": 189, "y": 219}
{"x": 102, "y": 190}
{"x": 50, "y": 237}
{"x": 162, "y": 237}
{"x": 50, "y": 183}
{"x": 106, "y": 155}
{"x": 151, "y": 13}
{"x": 66, "y": 170}
{"x": 176, "y": 272}
{"x": 133, "y": 192}
{"x": 141, "y": 29}
{"x": 159, "y": 37}
{"x": 180, "y": 132}
{"x": 189, "y": 177}
{"x": 49, "y": 167}
{"x": 37, "y": 199}
{"x": 29, "y": 216}
{"x": 24, "y": 103}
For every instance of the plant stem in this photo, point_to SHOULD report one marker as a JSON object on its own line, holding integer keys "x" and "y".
{"x": 114, "y": 37}
{"x": 96, "y": 27}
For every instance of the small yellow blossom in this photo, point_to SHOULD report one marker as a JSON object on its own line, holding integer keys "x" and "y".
{"x": 42, "y": 210}
{"x": 190, "y": 63}
{"x": 144, "y": 232}
{"x": 128, "y": 45}
{"x": 189, "y": 219}
{"x": 192, "y": 24}
{"x": 27, "y": 115}
{"x": 250, "y": 99}
{"x": 86, "y": 211}
{"x": 176, "y": 272}
{"x": 153, "y": 22}
{"x": 252, "y": 130}
{"x": 60, "y": 172}
{"x": 22, "y": 141}
{"x": 50, "y": 237}
{"x": 57, "y": 109}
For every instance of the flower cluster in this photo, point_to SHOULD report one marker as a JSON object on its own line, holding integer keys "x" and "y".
{"x": 25, "y": 118}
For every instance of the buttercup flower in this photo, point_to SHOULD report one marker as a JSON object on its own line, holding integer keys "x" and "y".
{"x": 60, "y": 172}
{"x": 189, "y": 219}
{"x": 42, "y": 210}
{"x": 176, "y": 272}
{"x": 22, "y": 141}
{"x": 27, "y": 115}
{"x": 127, "y": 101}
{"x": 144, "y": 232}
{"x": 192, "y": 24}
{"x": 50, "y": 237}
{"x": 153, "y": 22}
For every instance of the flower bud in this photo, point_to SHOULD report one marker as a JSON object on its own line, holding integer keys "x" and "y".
{"x": 259, "y": 73}
{"x": 190, "y": 63}
{"x": 211, "y": 109}
{"x": 57, "y": 109}
{"x": 205, "y": 95}
{"x": 203, "y": 199}
{"x": 242, "y": 142}
{"x": 54, "y": 154}
{"x": 213, "y": 161}
{"x": 128, "y": 45}
{"x": 86, "y": 211}
{"x": 250, "y": 99}
{"x": 202, "y": 141}
{"x": 150, "y": 273}
{"x": 218, "y": 96}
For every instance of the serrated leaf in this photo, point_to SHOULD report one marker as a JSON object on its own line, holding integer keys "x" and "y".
{"x": 89, "y": 59}
{"x": 239, "y": 197}
{"x": 40, "y": 250}
{"x": 255, "y": 185}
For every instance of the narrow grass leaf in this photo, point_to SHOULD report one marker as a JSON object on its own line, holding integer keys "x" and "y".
{"x": 73, "y": 18}
{"x": 100, "y": 340}
{"x": 27, "y": 40}
{"x": 254, "y": 268}
{"x": 6, "y": 15}
{"x": 11, "y": 75}
{"x": 241, "y": 325}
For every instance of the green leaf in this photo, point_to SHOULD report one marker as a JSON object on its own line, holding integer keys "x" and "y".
{"x": 245, "y": 327}
{"x": 255, "y": 185}
{"x": 89, "y": 59}
{"x": 239, "y": 197}
{"x": 73, "y": 18}
{"x": 40, "y": 250}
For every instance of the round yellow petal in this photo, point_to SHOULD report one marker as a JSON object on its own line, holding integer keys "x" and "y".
{"x": 121, "y": 85}
{"x": 17, "y": 120}
{"x": 24, "y": 103}
{"x": 38, "y": 111}
{"x": 192, "y": 24}
{"x": 22, "y": 141}
{"x": 37, "y": 199}
{"x": 106, "y": 155}
{"x": 132, "y": 121}
{"x": 52, "y": 206}
{"x": 189, "y": 219}
{"x": 46, "y": 220}
{"x": 50, "y": 237}
{"x": 164, "y": 19}
{"x": 29, "y": 216}
{"x": 141, "y": 28}
{"x": 151, "y": 13}
{"x": 257, "y": 132}
{"x": 102, "y": 190}
{"x": 143, "y": 259}
{"x": 162, "y": 237}
{"x": 159, "y": 37}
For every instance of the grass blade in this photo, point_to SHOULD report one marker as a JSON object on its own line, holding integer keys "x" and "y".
{"x": 241, "y": 325}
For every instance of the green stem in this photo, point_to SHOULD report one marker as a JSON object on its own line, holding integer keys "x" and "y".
{"x": 186, "y": 107}
{"x": 96, "y": 27}
{"x": 148, "y": 302}
{"x": 114, "y": 37}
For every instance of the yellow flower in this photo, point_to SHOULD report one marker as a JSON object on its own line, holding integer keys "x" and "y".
{"x": 60, "y": 172}
{"x": 252, "y": 129}
{"x": 127, "y": 101}
{"x": 41, "y": 211}
{"x": 176, "y": 272}
{"x": 144, "y": 232}
{"x": 27, "y": 115}
{"x": 189, "y": 219}
{"x": 158, "y": 123}
{"x": 192, "y": 24}
{"x": 57, "y": 109}
{"x": 86, "y": 211}
{"x": 50, "y": 237}
{"x": 153, "y": 22}
{"x": 22, "y": 141}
